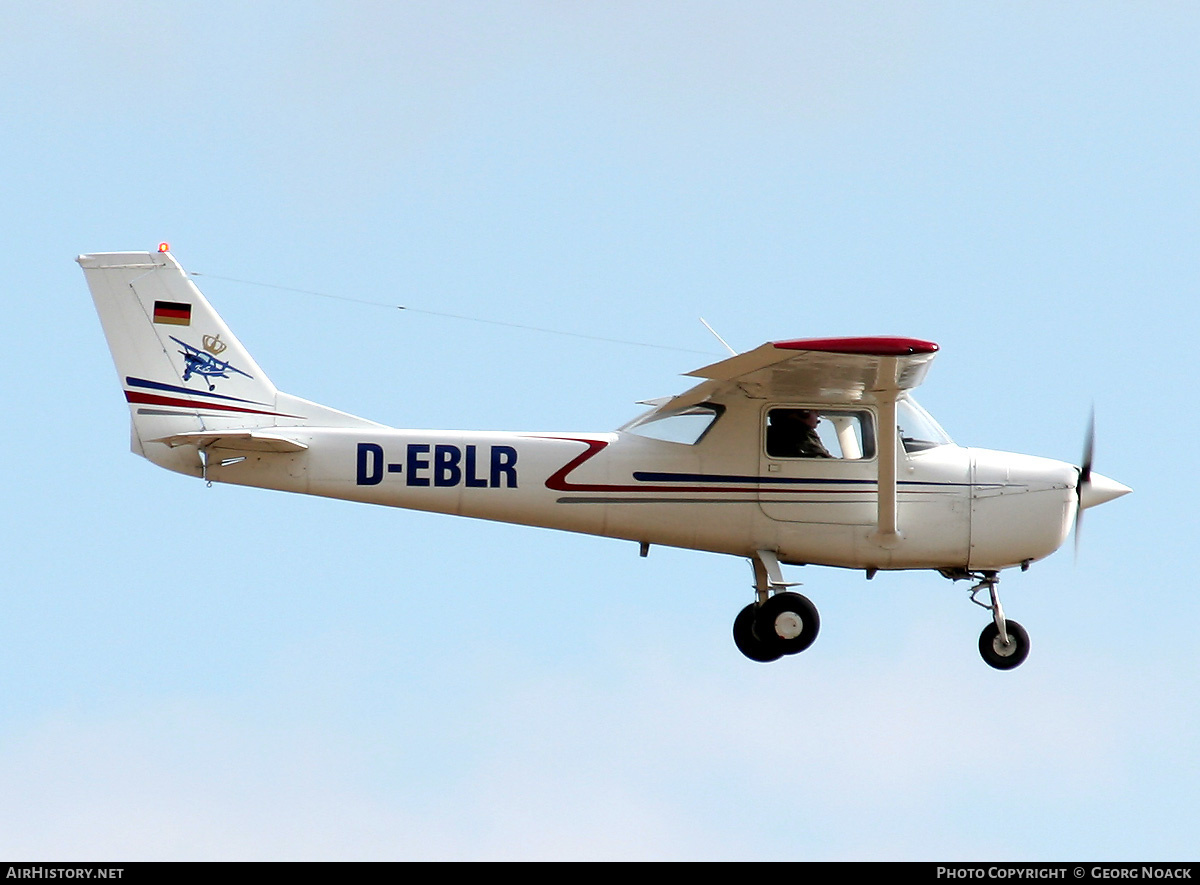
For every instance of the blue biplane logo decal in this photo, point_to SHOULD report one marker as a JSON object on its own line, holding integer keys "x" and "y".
{"x": 206, "y": 365}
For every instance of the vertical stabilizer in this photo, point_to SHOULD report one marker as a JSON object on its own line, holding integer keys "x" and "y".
{"x": 181, "y": 367}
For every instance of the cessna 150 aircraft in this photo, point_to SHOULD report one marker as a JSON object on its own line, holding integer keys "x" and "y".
{"x": 797, "y": 452}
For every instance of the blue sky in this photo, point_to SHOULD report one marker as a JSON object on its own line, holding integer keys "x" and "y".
{"x": 228, "y": 673}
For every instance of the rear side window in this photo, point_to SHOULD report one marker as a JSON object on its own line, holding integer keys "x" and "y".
{"x": 686, "y": 426}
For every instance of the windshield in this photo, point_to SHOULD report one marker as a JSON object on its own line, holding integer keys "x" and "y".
{"x": 918, "y": 430}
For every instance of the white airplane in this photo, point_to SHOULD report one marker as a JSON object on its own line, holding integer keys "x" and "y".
{"x": 797, "y": 452}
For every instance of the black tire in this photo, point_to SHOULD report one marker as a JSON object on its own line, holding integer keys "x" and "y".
{"x": 746, "y": 640}
{"x": 788, "y": 623}
{"x": 997, "y": 655}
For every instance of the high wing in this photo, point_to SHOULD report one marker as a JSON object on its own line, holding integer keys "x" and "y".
{"x": 833, "y": 369}
{"x": 839, "y": 370}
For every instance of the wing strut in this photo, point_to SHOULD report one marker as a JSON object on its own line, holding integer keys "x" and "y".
{"x": 887, "y": 533}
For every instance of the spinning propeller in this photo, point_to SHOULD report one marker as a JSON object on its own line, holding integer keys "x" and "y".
{"x": 1092, "y": 489}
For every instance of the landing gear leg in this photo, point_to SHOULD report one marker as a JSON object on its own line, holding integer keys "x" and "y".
{"x": 785, "y": 623}
{"x": 1003, "y": 644}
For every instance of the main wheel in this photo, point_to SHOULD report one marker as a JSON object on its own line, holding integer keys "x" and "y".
{"x": 747, "y": 641}
{"x": 787, "y": 623}
{"x": 999, "y": 655}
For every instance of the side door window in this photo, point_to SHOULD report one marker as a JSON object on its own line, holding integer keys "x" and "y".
{"x": 825, "y": 433}
{"x": 817, "y": 465}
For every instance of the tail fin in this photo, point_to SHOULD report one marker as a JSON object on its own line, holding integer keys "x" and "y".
{"x": 182, "y": 369}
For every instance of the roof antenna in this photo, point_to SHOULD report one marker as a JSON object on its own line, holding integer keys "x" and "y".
{"x": 732, "y": 352}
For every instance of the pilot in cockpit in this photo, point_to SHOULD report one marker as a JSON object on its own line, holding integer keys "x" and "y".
{"x": 792, "y": 433}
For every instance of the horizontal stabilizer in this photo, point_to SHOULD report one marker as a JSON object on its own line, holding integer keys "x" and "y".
{"x": 243, "y": 441}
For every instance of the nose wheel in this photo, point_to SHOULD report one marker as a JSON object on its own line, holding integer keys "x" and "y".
{"x": 1003, "y": 644}
{"x": 1000, "y": 654}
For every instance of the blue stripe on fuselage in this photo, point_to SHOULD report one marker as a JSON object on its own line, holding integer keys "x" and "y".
{"x": 649, "y": 476}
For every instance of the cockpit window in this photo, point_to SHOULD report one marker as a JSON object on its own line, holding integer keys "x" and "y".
{"x": 844, "y": 434}
{"x": 918, "y": 430}
{"x": 686, "y": 426}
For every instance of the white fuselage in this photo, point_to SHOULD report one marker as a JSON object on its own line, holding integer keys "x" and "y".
{"x": 956, "y": 507}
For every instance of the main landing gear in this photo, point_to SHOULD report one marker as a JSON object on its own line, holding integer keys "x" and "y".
{"x": 780, "y": 622}
{"x": 1004, "y": 644}
{"x": 785, "y": 623}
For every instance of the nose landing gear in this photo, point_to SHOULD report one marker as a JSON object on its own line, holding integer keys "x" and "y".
{"x": 1003, "y": 644}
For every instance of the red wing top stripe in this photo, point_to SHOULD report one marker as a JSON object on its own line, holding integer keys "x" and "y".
{"x": 869, "y": 346}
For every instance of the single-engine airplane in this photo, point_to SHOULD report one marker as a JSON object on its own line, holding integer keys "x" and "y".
{"x": 799, "y": 452}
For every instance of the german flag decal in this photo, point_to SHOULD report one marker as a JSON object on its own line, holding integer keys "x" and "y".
{"x": 173, "y": 313}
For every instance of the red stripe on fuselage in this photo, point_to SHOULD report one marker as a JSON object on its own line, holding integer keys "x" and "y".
{"x": 558, "y": 480}
{"x": 559, "y": 483}
{"x": 153, "y": 399}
